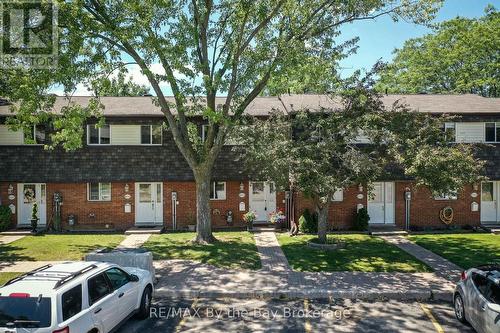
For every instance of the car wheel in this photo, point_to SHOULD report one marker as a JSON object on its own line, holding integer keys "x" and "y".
{"x": 458, "y": 305}
{"x": 143, "y": 312}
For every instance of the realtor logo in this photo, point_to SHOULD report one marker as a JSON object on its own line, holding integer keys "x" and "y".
{"x": 28, "y": 34}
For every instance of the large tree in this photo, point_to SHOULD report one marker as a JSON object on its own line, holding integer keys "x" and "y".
{"x": 317, "y": 152}
{"x": 204, "y": 49}
{"x": 119, "y": 85}
{"x": 461, "y": 55}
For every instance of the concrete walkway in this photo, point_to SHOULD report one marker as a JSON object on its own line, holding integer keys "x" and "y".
{"x": 133, "y": 241}
{"x": 24, "y": 266}
{"x": 272, "y": 257}
{"x": 440, "y": 265}
{"x": 7, "y": 239}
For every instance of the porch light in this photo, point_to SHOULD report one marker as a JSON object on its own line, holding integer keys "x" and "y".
{"x": 475, "y": 186}
{"x": 242, "y": 187}
{"x": 10, "y": 189}
{"x": 360, "y": 188}
{"x": 127, "y": 187}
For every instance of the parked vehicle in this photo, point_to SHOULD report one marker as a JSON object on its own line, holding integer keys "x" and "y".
{"x": 75, "y": 297}
{"x": 477, "y": 298}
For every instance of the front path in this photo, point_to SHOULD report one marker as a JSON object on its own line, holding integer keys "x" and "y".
{"x": 440, "y": 265}
{"x": 271, "y": 256}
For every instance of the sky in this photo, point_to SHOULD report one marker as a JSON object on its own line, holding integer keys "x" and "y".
{"x": 378, "y": 39}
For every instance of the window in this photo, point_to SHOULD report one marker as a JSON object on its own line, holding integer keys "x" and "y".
{"x": 487, "y": 192}
{"x": 151, "y": 134}
{"x": 117, "y": 277}
{"x": 492, "y": 132}
{"x": 98, "y": 136}
{"x": 204, "y": 132}
{"x": 449, "y": 132}
{"x": 99, "y": 191}
{"x": 38, "y": 135}
{"x": 98, "y": 287}
{"x": 218, "y": 191}
{"x": 24, "y": 310}
{"x": 71, "y": 302}
{"x": 338, "y": 195}
{"x": 447, "y": 196}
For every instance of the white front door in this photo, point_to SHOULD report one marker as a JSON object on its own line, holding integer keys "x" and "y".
{"x": 262, "y": 199}
{"x": 381, "y": 203}
{"x": 148, "y": 203}
{"x": 490, "y": 202}
{"x": 27, "y": 195}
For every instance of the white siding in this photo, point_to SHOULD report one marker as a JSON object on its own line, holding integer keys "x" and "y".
{"x": 470, "y": 132}
{"x": 8, "y": 137}
{"x": 125, "y": 134}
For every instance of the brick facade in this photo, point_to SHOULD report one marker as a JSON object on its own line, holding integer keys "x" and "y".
{"x": 424, "y": 208}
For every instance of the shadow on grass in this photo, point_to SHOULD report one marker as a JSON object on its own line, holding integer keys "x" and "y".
{"x": 232, "y": 250}
{"x": 362, "y": 253}
{"x": 465, "y": 250}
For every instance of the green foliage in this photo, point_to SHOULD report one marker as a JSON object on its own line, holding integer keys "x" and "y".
{"x": 462, "y": 55}
{"x": 361, "y": 220}
{"x": 119, "y": 86}
{"x": 5, "y": 217}
{"x": 308, "y": 223}
{"x": 34, "y": 211}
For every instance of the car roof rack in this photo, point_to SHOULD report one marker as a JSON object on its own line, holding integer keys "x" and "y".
{"x": 73, "y": 275}
{"x": 22, "y": 276}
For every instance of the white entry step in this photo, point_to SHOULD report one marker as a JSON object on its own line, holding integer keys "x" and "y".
{"x": 144, "y": 230}
{"x": 389, "y": 233}
{"x": 493, "y": 228}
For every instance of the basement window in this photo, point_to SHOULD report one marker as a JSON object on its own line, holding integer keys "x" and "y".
{"x": 218, "y": 191}
{"x": 99, "y": 191}
{"x": 98, "y": 136}
{"x": 151, "y": 134}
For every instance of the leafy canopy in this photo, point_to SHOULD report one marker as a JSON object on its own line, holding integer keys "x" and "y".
{"x": 462, "y": 55}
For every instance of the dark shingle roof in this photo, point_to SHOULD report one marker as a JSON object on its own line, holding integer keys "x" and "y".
{"x": 261, "y": 106}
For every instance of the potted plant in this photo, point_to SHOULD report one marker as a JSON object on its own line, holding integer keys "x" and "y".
{"x": 277, "y": 218}
{"x": 249, "y": 217}
{"x": 34, "y": 217}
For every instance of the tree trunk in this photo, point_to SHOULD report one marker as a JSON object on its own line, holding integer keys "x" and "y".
{"x": 203, "y": 213}
{"x": 322, "y": 211}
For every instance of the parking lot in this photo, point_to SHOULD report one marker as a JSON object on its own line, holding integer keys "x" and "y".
{"x": 230, "y": 315}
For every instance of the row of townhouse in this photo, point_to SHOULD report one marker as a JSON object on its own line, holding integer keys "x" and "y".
{"x": 130, "y": 172}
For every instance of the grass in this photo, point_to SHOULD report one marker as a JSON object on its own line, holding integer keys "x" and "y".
{"x": 56, "y": 247}
{"x": 362, "y": 253}
{"x": 465, "y": 250}
{"x": 4, "y": 277}
{"x": 233, "y": 249}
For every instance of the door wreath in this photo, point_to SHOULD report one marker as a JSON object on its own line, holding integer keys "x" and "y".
{"x": 446, "y": 215}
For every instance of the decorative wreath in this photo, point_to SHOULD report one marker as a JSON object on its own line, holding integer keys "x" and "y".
{"x": 446, "y": 215}
{"x": 29, "y": 195}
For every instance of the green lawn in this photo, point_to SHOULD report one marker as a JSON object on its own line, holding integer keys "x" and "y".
{"x": 233, "y": 249}
{"x": 4, "y": 277}
{"x": 362, "y": 253}
{"x": 465, "y": 250}
{"x": 56, "y": 247}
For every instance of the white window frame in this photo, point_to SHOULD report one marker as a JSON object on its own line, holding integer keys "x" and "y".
{"x": 98, "y": 135}
{"x": 100, "y": 192}
{"x": 33, "y": 132}
{"x": 151, "y": 136}
{"x": 338, "y": 196}
{"x": 204, "y": 128}
{"x": 213, "y": 185}
{"x": 449, "y": 196}
{"x": 497, "y": 125}
{"x": 454, "y": 127}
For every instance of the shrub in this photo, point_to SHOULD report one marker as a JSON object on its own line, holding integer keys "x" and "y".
{"x": 5, "y": 217}
{"x": 308, "y": 223}
{"x": 361, "y": 220}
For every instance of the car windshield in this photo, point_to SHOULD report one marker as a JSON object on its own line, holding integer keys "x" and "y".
{"x": 25, "y": 312}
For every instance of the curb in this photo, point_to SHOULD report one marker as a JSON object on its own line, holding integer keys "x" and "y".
{"x": 421, "y": 295}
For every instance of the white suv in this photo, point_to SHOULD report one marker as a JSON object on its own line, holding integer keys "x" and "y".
{"x": 74, "y": 297}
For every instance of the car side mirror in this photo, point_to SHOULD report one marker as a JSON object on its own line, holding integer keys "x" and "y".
{"x": 494, "y": 307}
{"x": 134, "y": 278}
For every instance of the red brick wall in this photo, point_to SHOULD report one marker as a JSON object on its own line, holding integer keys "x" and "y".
{"x": 4, "y": 196}
{"x": 341, "y": 213}
{"x": 424, "y": 209}
{"x": 186, "y": 207}
{"x": 92, "y": 212}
